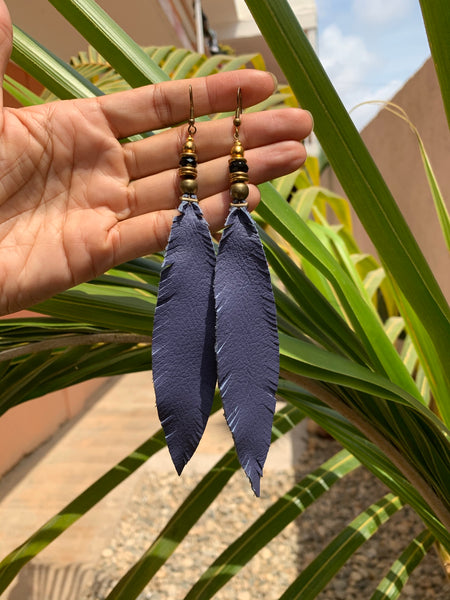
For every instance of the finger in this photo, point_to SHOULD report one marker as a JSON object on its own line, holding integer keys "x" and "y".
{"x": 214, "y": 139}
{"x": 149, "y": 233}
{"x": 161, "y": 191}
{"x": 5, "y": 40}
{"x": 164, "y": 104}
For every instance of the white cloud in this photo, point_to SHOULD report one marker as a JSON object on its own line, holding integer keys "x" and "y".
{"x": 380, "y": 12}
{"x": 346, "y": 60}
{"x": 353, "y": 69}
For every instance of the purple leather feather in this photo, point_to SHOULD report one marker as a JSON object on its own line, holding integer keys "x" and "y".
{"x": 184, "y": 364}
{"x": 247, "y": 347}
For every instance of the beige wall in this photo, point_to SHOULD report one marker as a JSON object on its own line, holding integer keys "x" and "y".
{"x": 144, "y": 20}
{"x": 27, "y": 426}
{"x": 395, "y": 151}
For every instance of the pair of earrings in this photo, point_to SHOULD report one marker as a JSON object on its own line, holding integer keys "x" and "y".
{"x": 215, "y": 319}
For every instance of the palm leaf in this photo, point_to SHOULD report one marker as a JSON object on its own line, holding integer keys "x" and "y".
{"x": 34, "y": 368}
{"x": 391, "y": 585}
{"x": 365, "y": 451}
{"x": 322, "y": 569}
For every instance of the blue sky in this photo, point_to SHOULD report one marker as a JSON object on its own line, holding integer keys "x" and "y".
{"x": 370, "y": 48}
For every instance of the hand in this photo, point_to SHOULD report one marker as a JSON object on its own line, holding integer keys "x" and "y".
{"x": 74, "y": 201}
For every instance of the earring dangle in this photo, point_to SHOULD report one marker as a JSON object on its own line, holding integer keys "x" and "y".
{"x": 183, "y": 357}
{"x": 247, "y": 348}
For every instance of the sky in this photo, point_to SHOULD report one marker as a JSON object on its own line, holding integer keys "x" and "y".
{"x": 370, "y": 48}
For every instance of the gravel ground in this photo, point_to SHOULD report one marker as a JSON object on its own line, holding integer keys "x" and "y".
{"x": 271, "y": 571}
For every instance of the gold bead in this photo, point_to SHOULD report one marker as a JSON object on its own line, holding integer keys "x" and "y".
{"x": 239, "y": 191}
{"x": 188, "y": 186}
{"x": 237, "y": 151}
{"x": 187, "y": 172}
{"x": 189, "y": 145}
{"x": 238, "y": 177}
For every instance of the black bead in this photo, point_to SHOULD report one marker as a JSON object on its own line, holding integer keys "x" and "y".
{"x": 188, "y": 161}
{"x": 240, "y": 164}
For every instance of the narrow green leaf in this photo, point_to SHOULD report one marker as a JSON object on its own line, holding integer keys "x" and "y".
{"x": 186, "y": 67}
{"x": 322, "y": 569}
{"x": 436, "y": 16}
{"x": 393, "y": 583}
{"x": 441, "y": 209}
{"x": 210, "y": 65}
{"x": 48, "y": 69}
{"x": 106, "y": 306}
{"x": 322, "y": 322}
{"x": 339, "y": 248}
{"x": 394, "y": 327}
{"x": 173, "y": 60}
{"x": 373, "y": 281}
{"x": 271, "y": 523}
{"x": 303, "y": 201}
{"x": 158, "y": 54}
{"x": 423, "y": 384}
{"x": 307, "y": 359}
{"x": 21, "y": 93}
{"x": 116, "y": 46}
{"x": 240, "y": 61}
{"x": 438, "y": 378}
{"x": 409, "y": 354}
{"x": 284, "y": 184}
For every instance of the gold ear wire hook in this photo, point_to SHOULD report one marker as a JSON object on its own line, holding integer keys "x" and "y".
{"x": 237, "y": 114}
{"x": 192, "y": 128}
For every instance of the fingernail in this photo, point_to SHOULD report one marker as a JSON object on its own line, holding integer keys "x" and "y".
{"x": 275, "y": 81}
{"x": 312, "y": 118}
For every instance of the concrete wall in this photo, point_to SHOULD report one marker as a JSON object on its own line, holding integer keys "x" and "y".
{"x": 395, "y": 151}
{"x": 27, "y": 426}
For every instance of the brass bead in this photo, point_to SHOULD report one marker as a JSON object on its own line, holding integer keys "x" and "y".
{"x": 238, "y": 177}
{"x": 239, "y": 191}
{"x": 189, "y": 145}
{"x": 237, "y": 151}
{"x": 187, "y": 172}
{"x": 188, "y": 186}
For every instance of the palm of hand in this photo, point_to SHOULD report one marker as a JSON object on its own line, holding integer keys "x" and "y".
{"x": 64, "y": 189}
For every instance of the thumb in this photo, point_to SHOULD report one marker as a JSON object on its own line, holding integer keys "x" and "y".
{"x": 5, "y": 41}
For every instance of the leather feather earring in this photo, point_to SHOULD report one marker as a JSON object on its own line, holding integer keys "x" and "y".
{"x": 184, "y": 365}
{"x": 247, "y": 347}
